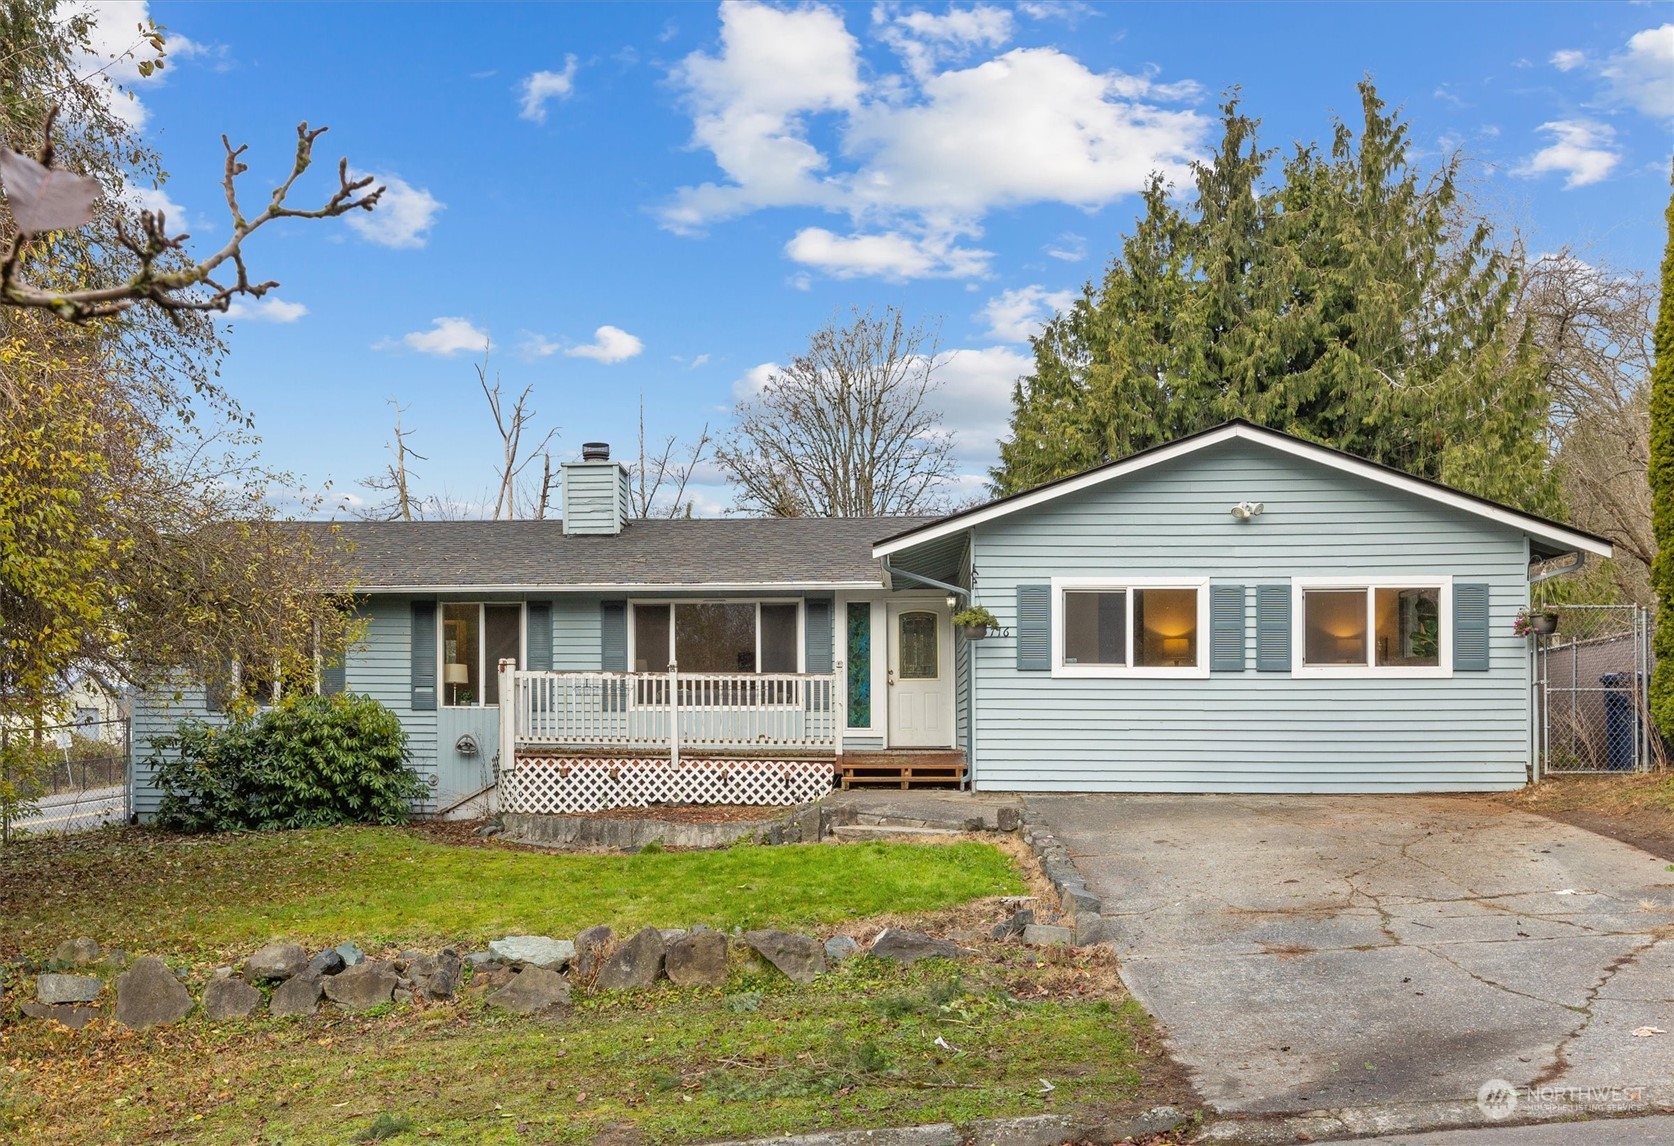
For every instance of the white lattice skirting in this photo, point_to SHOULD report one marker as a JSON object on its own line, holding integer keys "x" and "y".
{"x": 550, "y": 785}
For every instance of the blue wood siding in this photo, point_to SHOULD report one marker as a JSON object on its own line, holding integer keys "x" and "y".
{"x": 595, "y": 499}
{"x": 575, "y": 634}
{"x": 381, "y": 667}
{"x": 156, "y": 713}
{"x": 1250, "y": 731}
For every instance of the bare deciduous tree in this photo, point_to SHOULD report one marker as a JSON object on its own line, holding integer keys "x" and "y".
{"x": 514, "y": 459}
{"x": 648, "y": 477}
{"x": 396, "y": 480}
{"x": 44, "y": 199}
{"x": 1594, "y": 326}
{"x": 847, "y": 429}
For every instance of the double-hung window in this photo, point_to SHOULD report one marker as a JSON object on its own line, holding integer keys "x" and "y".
{"x": 1373, "y": 628}
{"x": 1107, "y": 627}
{"x": 475, "y": 638}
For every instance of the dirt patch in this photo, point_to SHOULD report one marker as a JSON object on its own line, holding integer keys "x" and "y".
{"x": 1637, "y": 810}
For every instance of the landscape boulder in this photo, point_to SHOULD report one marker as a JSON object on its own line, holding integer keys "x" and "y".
{"x": 362, "y": 987}
{"x": 636, "y": 963}
{"x": 327, "y": 962}
{"x": 298, "y": 995}
{"x": 228, "y": 998}
{"x": 442, "y": 975}
{"x": 1044, "y": 934}
{"x": 533, "y": 951}
{"x": 71, "y": 1015}
{"x": 276, "y": 961}
{"x": 353, "y": 956}
{"x": 55, "y": 989}
{"x": 534, "y": 991}
{"x": 697, "y": 959}
{"x": 798, "y": 956}
{"x": 77, "y": 952}
{"x": 149, "y": 995}
{"x": 839, "y": 947}
{"x": 590, "y": 947}
{"x": 1014, "y": 925}
{"x": 911, "y": 946}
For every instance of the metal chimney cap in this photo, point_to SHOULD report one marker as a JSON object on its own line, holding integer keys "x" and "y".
{"x": 595, "y": 451}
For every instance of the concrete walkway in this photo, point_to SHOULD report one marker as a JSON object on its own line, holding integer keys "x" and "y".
{"x": 1322, "y": 952}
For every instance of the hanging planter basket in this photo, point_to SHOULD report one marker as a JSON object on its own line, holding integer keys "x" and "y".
{"x": 973, "y": 632}
{"x": 1543, "y": 623}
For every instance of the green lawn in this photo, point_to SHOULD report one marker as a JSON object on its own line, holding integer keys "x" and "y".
{"x": 152, "y": 893}
{"x": 858, "y": 1047}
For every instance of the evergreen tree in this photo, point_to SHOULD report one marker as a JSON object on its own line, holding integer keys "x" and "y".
{"x": 1662, "y": 493}
{"x": 1355, "y": 303}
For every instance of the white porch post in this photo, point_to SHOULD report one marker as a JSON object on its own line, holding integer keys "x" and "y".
{"x": 509, "y": 703}
{"x": 674, "y": 713}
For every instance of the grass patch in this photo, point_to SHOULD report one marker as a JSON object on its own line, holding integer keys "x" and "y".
{"x": 199, "y": 897}
{"x": 870, "y": 1044}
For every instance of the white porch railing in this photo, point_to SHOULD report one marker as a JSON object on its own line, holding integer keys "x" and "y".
{"x": 669, "y": 712}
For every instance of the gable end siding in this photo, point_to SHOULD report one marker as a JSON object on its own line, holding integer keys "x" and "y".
{"x": 1249, "y": 731}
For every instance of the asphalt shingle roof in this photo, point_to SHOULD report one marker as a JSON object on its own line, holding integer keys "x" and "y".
{"x": 395, "y": 555}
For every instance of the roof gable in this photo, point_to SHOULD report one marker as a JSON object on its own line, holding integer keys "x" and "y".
{"x": 1551, "y": 537}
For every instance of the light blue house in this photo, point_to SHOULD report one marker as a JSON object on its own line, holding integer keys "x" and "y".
{"x": 1239, "y": 611}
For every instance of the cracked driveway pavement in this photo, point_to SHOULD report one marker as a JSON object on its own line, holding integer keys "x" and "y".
{"x": 1305, "y": 952}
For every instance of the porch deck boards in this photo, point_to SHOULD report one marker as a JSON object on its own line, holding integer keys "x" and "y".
{"x": 901, "y": 769}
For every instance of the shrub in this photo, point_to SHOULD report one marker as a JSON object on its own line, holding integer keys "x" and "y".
{"x": 308, "y": 762}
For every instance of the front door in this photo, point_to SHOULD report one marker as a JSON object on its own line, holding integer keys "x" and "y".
{"x": 920, "y": 677}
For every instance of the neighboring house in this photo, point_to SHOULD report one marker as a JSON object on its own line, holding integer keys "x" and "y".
{"x": 1352, "y": 634}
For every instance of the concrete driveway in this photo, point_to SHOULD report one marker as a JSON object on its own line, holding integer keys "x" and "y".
{"x": 1311, "y": 952}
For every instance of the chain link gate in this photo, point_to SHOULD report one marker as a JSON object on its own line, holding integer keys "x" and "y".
{"x": 1591, "y": 691}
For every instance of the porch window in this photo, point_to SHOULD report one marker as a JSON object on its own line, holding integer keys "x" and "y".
{"x": 1380, "y": 628}
{"x": 717, "y": 636}
{"x": 1133, "y": 629}
{"x": 475, "y": 638}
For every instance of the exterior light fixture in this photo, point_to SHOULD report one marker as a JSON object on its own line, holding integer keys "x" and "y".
{"x": 1245, "y": 510}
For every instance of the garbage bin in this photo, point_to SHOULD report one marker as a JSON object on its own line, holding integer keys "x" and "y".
{"x": 1622, "y": 727}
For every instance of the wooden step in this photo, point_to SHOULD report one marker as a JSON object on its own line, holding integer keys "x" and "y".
{"x": 903, "y": 771}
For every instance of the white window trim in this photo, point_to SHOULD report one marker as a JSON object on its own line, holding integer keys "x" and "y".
{"x": 1370, "y": 671}
{"x": 482, "y": 649}
{"x": 1199, "y": 671}
{"x": 758, "y": 602}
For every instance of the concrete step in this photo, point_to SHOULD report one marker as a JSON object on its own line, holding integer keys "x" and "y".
{"x": 886, "y": 831}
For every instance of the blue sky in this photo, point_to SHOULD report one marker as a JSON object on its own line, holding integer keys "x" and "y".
{"x": 661, "y": 199}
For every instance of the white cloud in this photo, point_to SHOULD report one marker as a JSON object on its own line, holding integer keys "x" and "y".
{"x": 541, "y": 87}
{"x": 156, "y": 199}
{"x": 923, "y": 39}
{"x": 1017, "y": 315}
{"x": 1068, "y": 247}
{"x": 447, "y": 337}
{"x": 753, "y": 381}
{"x": 918, "y": 159}
{"x": 700, "y": 360}
{"x": 610, "y": 344}
{"x": 1581, "y": 149}
{"x": 115, "y": 49}
{"x": 891, "y": 255}
{"x": 1642, "y": 76}
{"x": 403, "y": 216}
{"x": 267, "y": 309}
{"x": 975, "y": 398}
{"x": 538, "y": 346}
{"x": 1567, "y": 59}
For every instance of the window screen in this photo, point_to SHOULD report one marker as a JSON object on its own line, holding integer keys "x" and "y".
{"x": 778, "y": 638}
{"x": 502, "y": 640}
{"x": 1096, "y": 628}
{"x": 650, "y": 638}
{"x": 1165, "y": 627}
{"x": 715, "y": 637}
{"x": 1334, "y": 626}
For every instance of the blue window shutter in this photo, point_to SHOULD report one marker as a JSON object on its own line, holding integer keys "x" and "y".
{"x": 1034, "y": 628}
{"x": 1273, "y": 628}
{"x": 613, "y": 636}
{"x": 537, "y": 637}
{"x": 334, "y": 677}
{"x": 816, "y": 620}
{"x": 1226, "y": 628}
{"x": 1470, "y": 628}
{"x": 424, "y": 656}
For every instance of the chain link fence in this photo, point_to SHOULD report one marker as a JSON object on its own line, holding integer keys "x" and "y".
{"x": 1591, "y": 681}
